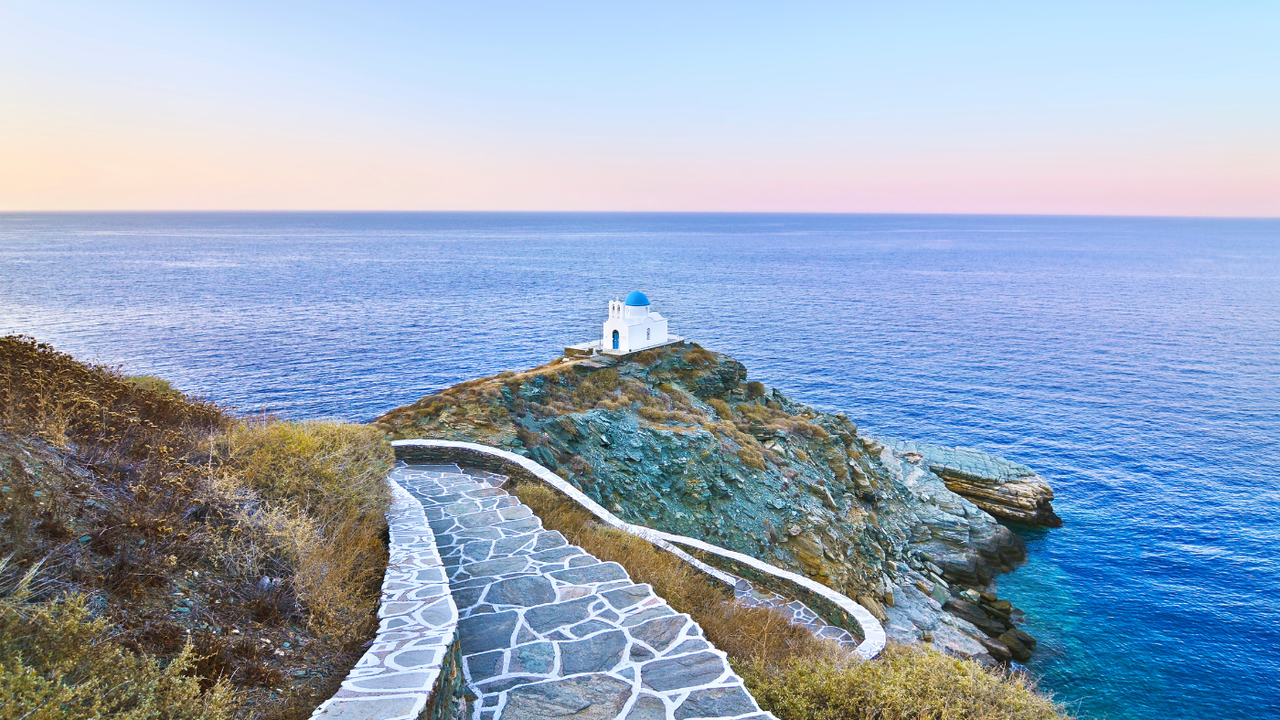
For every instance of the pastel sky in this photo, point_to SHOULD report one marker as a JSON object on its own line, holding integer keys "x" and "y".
{"x": 1109, "y": 108}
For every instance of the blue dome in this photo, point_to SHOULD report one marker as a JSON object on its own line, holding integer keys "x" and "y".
{"x": 637, "y": 299}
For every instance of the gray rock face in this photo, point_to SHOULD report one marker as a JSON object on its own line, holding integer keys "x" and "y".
{"x": 623, "y": 598}
{"x": 485, "y": 632}
{"x": 1007, "y": 490}
{"x": 540, "y": 640}
{"x": 558, "y": 615}
{"x": 598, "y": 652}
{"x": 535, "y": 658}
{"x": 597, "y": 573}
{"x": 647, "y": 707}
{"x": 659, "y": 634}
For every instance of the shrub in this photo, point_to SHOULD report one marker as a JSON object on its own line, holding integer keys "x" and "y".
{"x": 651, "y": 414}
{"x": 699, "y": 358}
{"x": 751, "y": 458}
{"x": 756, "y": 413}
{"x": 325, "y": 493}
{"x": 152, "y": 383}
{"x": 904, "y": 683}
{"x": 755, "y": 389}
{"x": 722, "y": 409}
{"x": 49, "y": 394}
{"x": 272, "y": 528}
{"x": 593, "y": 388}
{"x": 648, "y": 357}
{"x": 57, "y": 662}
{"x": 808, "y": 429}
{"x": 317, "y": 465}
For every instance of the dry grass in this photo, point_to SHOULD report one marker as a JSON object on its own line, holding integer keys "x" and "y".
{"x": 231, "y": 552}
{"x": 325, "y": 485}
{"x": 792, "y": 674}
{"x": 904, "y": 683}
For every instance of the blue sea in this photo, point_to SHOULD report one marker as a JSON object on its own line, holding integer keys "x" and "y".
{"x": 1135, "y": 363}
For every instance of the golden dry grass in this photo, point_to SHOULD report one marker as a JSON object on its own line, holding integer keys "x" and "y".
{"x": 791, "y": 673}
{"x": 904, "y": 683}
{"x": 325, "y": 491}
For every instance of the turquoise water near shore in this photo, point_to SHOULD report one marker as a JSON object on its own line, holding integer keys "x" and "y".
{"x": 1135, "y": 363}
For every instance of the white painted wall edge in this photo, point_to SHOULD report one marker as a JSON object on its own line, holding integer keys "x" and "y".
{"x": 872, "y": 631}
{"x": 400, "y": 673}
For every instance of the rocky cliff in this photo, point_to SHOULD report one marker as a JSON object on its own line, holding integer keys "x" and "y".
{"x": 677, "y": 439}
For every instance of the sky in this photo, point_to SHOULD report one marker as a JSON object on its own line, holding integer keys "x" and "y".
{"x": 1056, "y": 108}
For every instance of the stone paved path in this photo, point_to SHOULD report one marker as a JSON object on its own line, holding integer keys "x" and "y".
{"x": 548, "y": 631}
{"x": 797, "y": 612}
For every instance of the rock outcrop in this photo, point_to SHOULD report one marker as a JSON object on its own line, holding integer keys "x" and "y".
{"x": 678, "y": 440}
{"x": 1007, "y": 490}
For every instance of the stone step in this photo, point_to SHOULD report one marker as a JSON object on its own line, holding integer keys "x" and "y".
{"x": 548, "y": 631}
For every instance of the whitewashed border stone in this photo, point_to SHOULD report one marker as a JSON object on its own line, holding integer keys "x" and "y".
{"x": 400, "y": 674}
{"x": 872, "y": 631}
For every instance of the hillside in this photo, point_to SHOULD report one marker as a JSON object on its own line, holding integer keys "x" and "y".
{"x": 160, "y": 558}
{"x": 678, "y": 439}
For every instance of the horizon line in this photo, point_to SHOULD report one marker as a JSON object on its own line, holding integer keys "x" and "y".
{"x": 287, "y": 211}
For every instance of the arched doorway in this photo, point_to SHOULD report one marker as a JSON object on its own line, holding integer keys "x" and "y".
{"x": 615, "y": 339}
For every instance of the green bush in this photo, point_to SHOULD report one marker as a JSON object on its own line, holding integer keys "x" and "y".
{"x": 152, "y": 383}
{"x": 57, "y": 663}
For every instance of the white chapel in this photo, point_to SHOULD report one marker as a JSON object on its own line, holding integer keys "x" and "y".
{"x": 631, "y": 326}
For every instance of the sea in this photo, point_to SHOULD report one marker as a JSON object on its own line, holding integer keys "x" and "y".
{"x": 1133, "y": 362}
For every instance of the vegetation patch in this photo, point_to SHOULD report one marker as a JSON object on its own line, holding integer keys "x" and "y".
{"x": 904, "y": 683}
{"x": 162, "y": 559}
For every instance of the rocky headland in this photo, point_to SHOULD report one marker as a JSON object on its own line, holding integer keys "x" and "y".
{"x": 679, "y": 440}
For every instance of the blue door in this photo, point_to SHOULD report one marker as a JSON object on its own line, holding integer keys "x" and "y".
{"x": 615, "y": 339}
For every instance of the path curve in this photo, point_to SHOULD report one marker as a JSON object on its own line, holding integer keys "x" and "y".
{"x": 872, "y": 631}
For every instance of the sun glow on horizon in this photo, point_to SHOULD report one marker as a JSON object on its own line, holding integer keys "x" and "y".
{"x": 815, "y": 108}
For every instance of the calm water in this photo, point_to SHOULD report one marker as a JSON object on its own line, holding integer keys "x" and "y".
{"x": 1134, "y": 362}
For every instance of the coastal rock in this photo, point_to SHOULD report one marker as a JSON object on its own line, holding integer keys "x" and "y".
{"x": 975, "y": 615}
{"x": 997, "y": 649}
{"x": 675, "y": 440}
{"x": 1020, "y": 652}
{"x": 1007, "y": 490}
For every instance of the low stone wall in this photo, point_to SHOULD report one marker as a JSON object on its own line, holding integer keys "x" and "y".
{"x": 411, "y": 670}
{"x": 834, "y": 607}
